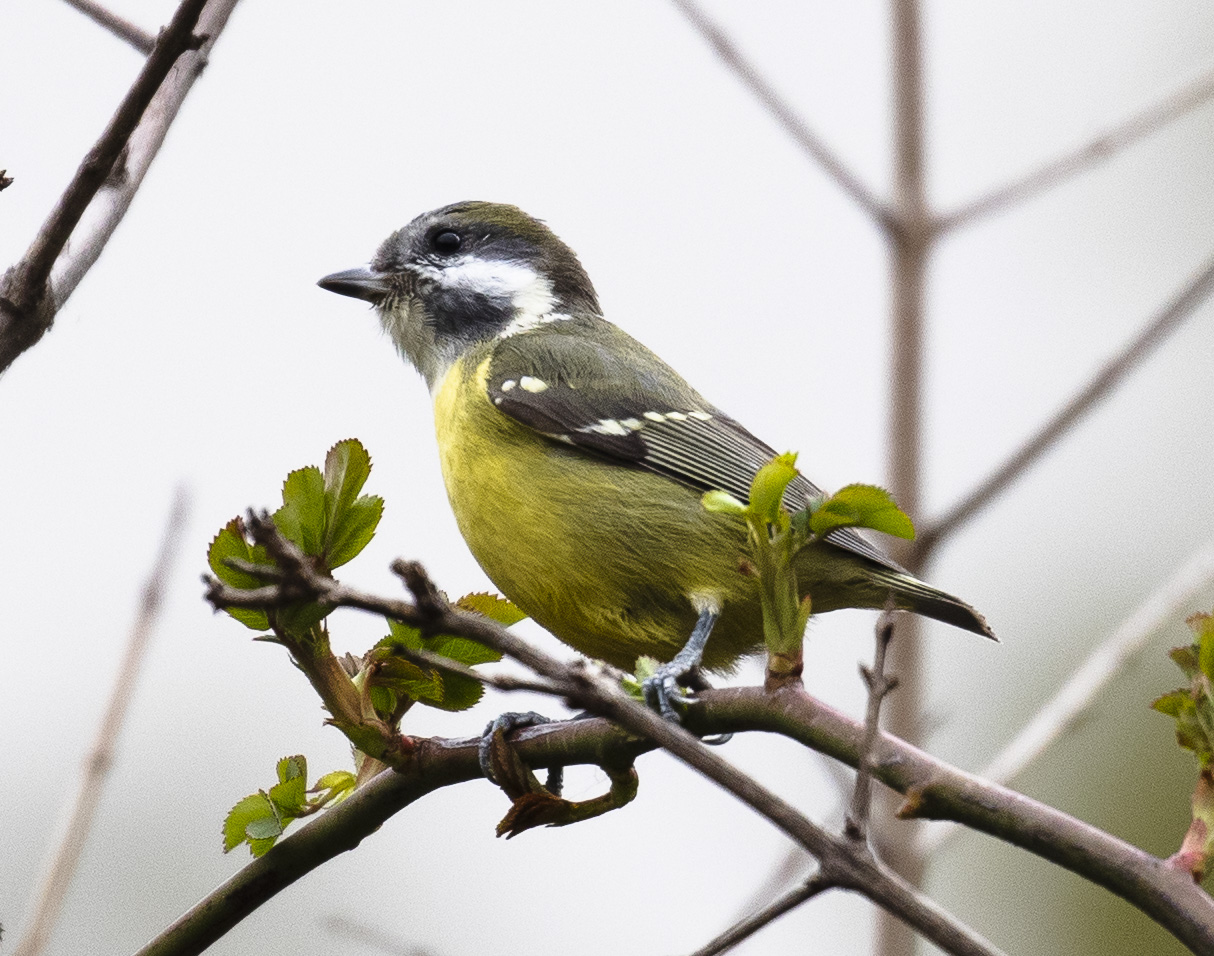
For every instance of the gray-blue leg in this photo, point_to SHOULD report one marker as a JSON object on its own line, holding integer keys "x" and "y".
{"x": 513, "y": 720}
{"x": 663, "y": 687}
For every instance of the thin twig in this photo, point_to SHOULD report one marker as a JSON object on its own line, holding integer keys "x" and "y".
{"x": 28, "y": 300}
{"x": 879, "y": 685}
{"x": 1134, "y": 354}
{"x": 1083, "y": 690}
{"x": 137, "y": 37}
{"x": 62, "y": 866}
{"x": 1098, "y": 149}
{"x": 745, "y": 928}
{"x": 810, "y": 142}
{"x": 503, "y": 682}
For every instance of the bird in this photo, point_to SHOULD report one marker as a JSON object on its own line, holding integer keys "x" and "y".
{"x": 575, "y": 459}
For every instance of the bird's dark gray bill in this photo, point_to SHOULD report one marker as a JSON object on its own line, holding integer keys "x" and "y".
{"x": 360, "y": 283}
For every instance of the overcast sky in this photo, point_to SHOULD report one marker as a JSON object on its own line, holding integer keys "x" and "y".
{"x": 200, "y": 353}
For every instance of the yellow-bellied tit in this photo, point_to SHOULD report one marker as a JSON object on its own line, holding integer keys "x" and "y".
{"x": 575, "y": 459}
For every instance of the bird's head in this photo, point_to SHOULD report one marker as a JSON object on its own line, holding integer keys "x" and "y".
{"x": 463, "y": 274}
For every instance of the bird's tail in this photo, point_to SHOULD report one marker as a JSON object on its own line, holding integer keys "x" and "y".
{"x": 911, "y": 594}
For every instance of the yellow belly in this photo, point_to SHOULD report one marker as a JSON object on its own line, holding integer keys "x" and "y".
{"x": 606, "y": 557}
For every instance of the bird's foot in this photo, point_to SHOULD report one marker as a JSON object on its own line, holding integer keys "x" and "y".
{"x": 505, "y": 724}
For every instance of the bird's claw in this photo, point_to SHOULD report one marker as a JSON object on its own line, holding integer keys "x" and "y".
{"x": 511, "y": 720}
{"x": 662, "y": 692}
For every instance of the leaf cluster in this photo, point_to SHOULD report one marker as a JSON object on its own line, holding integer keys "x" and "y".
{"x": 260, "y": 818}
{"x": 775, "y": 537}
{"x": 1192, "y": 707}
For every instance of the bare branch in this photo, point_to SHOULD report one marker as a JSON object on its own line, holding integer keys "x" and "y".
{"x": 879, "y": 685}
{"x": 106, "y": 181}
{"x": 140, "y": 39}
{"x": 1133, "y": 355}
{"x": 1073, "y": 700}
{"x": 49, "y": 897}
{"x": 745, "y": 928}
{"x": 810, "y": 143}
{"x": 1097, "y": 150}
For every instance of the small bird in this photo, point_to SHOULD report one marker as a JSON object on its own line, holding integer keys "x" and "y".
{"x": 575, "y": 459}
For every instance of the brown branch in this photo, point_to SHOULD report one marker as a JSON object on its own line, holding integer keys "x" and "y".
{"x": 140, "y": 39}
{"x": 49, "y": 896}
{"x": 745, "y": 928}
{"x": 878, "y": 684}
{"x": 841, "y": 860}
{"x": 1133, "y": 355}
{"x": 810, "y": 143}
{"x": 106, "y": 182}
{"x": 1102, "y": 147}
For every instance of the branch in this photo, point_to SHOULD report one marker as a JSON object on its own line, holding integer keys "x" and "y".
{"x": 879, "y": 685}
{"x": 49, "y": 897}
{"x": 809, "y": 141}
{"x": 934, "y": 789}
{"x": 1134, "y": 354}
{"x": 1103, "y": 147}
{"x": 842, "y": 861}
{"x": 30, "y": 295}
{"x": 1072, "y": 701}
{"x": 140, "y": 39}
{"x": 745, "y": 928}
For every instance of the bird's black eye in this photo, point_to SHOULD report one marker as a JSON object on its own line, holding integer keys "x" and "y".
{"x": 447, "y": 242}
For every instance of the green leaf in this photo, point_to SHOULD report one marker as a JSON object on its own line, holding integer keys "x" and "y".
{"x": 336, "y": 780}
{"x": 1186, "y": 659}
{"x": 353, "y": 530}
{"x": 1172, "y": 704}
{"x": 862, "y": 506}
{"x": 302, "y": 516}
{"x": 254, "y": 807}
{"x": 722, "y": 503}
{"x": 291, "y": 767}
{"x": 289, "y": 795}
{"x": 767, "y": 488}
{"x": 350, "y": 520}
{"x": 264, "y": 828}
{"x": 231, "y": 543}
{"x": 493, "y": 606}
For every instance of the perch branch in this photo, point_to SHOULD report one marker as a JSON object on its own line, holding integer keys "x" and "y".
{"x": 140, "y": 39}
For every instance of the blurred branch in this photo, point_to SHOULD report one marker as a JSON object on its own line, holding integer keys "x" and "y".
{"x": 1082, "y": 691}
{"x": 910, "y": 247}
{"x": 878, "y": 685}
{"x": 372, "y": 937}
{"x": 810, "y": 142}
{"x": 140, "y": 39}
{"x": 1133, "y": 355}
{"x": 1103, "y": 147}
{"x": 49, "y": 897}
{"x": 107, "y": 179}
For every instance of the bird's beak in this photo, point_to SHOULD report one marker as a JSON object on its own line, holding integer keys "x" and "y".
{"x": 360, "y": 283}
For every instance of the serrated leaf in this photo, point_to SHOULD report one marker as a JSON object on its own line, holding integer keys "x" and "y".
{"x": 462, "y": 650}
{"x": 347, "y": 466}
{"x": 255, "y": 806}
{"x": 353, "y": 529}
{"x": 493, "y": 606}
{"x": 862, "y": 506}
{"x": 289, "y": 768}
{"x": 407, "y": 679}
{"x": 264, "y": 828}
{"x": 230, "y": 542}
{"x": 722, "y": 503}
{"x": 459, "y": 693}
{"x": 302, "y": 516}
{"x": 1186, "y": 659}
{"x": 767, "y": 488}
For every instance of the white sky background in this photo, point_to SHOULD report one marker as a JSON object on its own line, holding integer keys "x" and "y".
{"x": 200, "y": 351}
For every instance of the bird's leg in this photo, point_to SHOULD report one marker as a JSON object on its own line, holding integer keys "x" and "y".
{"x": 663, "y": 686}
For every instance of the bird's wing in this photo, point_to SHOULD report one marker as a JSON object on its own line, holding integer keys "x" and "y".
{"x": 632, "y": 409}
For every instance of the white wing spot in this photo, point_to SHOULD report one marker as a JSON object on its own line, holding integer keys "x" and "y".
{"x": 655, "y": 416}
{"x": 605, "y": 426}
{"x": 700, "y": 416}
{"x": 676, "y": 416}
{"x": 508, "y": 384}
{"x": 632, "y": 424}
{"x": 531, "y": 384}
